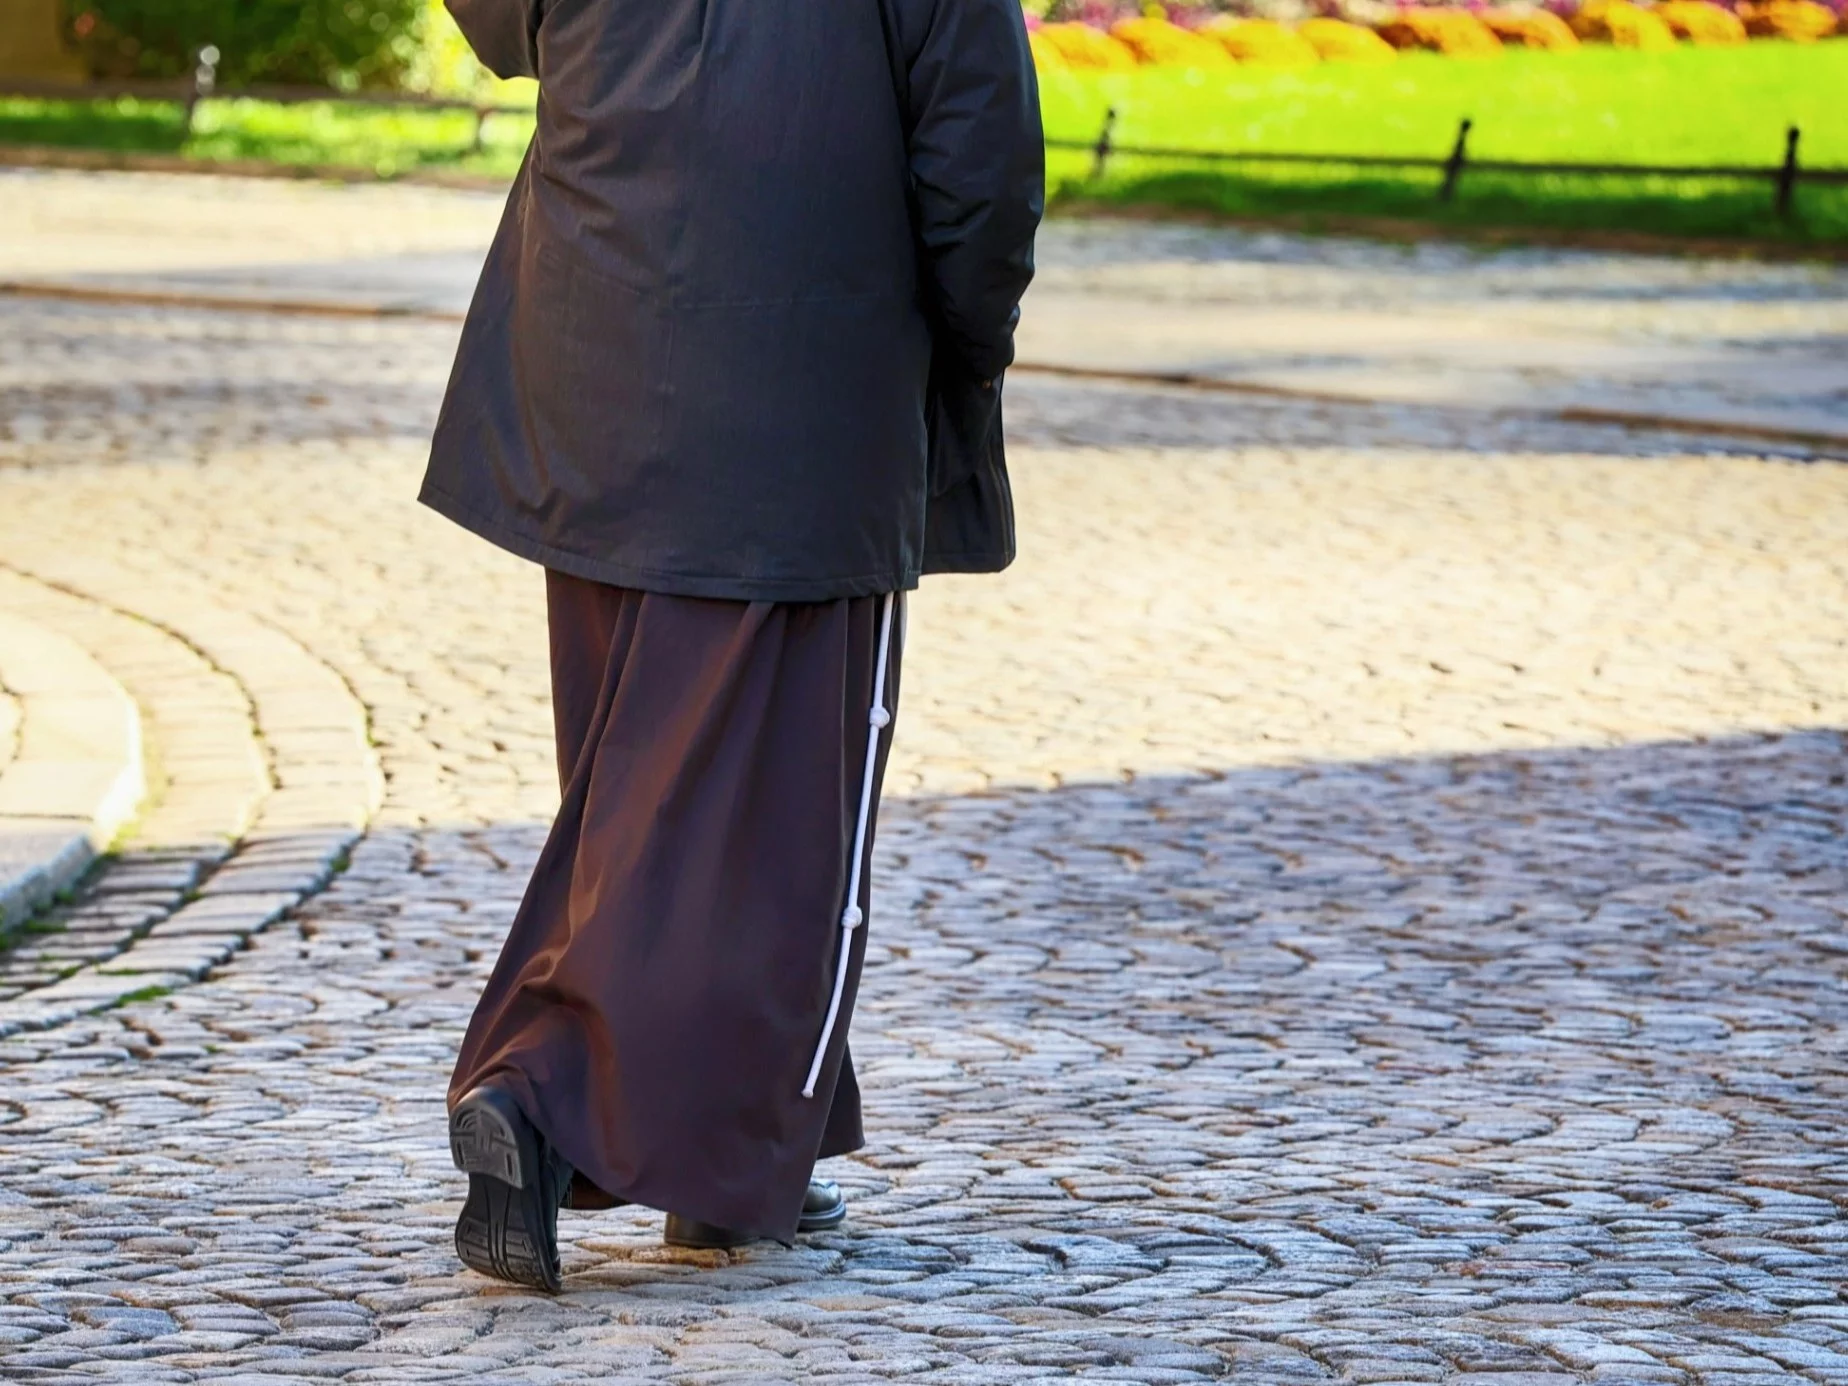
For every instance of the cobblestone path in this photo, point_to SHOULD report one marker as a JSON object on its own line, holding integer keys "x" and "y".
{"x": 1362, "y": 901}
{"x": 1757, "y": 348}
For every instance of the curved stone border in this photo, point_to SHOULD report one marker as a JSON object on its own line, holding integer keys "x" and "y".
{"x": 206, "y": 774}
{"x": 273, "y": 778}
{"x": 76, "y": 777}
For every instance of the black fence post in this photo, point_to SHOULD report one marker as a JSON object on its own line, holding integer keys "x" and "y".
{"x": 481, "y": 124}
{"x": 1100, "y": 155}
{"x": 1453, "y": 166}
{"x": 204, "y": 79}
{"x": 1787, "y": 175}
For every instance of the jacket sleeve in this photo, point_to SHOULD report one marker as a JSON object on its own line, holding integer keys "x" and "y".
{"x": 978, "y": 167}
{"x": 503, "y": 33}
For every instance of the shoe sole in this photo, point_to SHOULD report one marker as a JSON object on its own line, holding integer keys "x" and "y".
{"x": 503, "y": 1230}
{"x": 483, "y": 1139}
{"x": 675, "y": 1233}
{"x": 824, "y": 1222}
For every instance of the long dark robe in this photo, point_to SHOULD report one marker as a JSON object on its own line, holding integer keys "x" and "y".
{"x": 659, "y": 998}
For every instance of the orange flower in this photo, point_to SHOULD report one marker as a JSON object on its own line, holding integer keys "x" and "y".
{"x": 1338, "y": 41}
{"x": 1702, "y": 22}
{"x": 1530, "y": 28}
{"x": 1456, "y": 32}
{"x": 1261, "y": 41}
{"x": 1046, "y": 55}
{"x": 1160, "y": 43}
{"x": 1081, "y": 46}
{"x": 1623, "y": 24}
{"x": 1802, "y": 20}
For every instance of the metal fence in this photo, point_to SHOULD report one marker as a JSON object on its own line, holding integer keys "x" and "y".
{"x": 1784, "y": 177}
{"x": 188, "y": 92}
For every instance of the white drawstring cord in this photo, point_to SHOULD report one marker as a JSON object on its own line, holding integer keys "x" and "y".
{"x": 852, "y": 917}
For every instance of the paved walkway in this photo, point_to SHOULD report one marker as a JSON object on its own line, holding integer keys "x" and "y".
{"x": 71, "y": 770}
{"x": 1735, "y": 345}
{"x": 1363, "y": 900}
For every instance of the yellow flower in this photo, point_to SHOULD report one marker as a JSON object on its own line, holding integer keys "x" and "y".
{"x": 1160, "y": 43}
{"x": 1623, "y": 24}
{"x": 1530, "y": 28}
{"x": 1702, "y": 22}
{"x": 1261, "y": 41}
{"x": 1081, "y": 46}
{"x": 1456, "y": 32}
{"x": 1338, "y": 41}
{"x": 1046, "y": 55}
{"x": 1802, "y": 20}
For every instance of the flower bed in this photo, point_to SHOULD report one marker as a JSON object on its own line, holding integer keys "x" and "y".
{"x": 1096, "y": 35}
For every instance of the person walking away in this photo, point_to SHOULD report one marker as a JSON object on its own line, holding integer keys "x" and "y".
{"x": 732, "y": 374}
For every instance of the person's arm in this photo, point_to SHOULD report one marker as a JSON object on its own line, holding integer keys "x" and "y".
{"x": 978, "y": 165}
{"x": 503, "y": 33}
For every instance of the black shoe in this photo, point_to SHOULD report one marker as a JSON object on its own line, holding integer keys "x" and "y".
{"x": 509, "y": 1226}
{"x": 702, "y": 1236}
{"x": 823, "y": 1208}
{"x": 584, "y": 1196}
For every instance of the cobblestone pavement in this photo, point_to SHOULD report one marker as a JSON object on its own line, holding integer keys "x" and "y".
{"x": 1733, "y": 343}
{"x": 1362, "y": 900}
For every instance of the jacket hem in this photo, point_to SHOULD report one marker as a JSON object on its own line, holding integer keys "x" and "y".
{"x": 716, "y": 586}
{"x": 976, "y": 561}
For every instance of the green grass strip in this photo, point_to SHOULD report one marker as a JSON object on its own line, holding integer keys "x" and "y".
{"x": 1593, "y": 105}
{"x": 1597, "y": 104}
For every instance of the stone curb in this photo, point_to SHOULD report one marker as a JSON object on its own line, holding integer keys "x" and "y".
{"x": 78, "y": 776}
{"x": 321, "y": 786}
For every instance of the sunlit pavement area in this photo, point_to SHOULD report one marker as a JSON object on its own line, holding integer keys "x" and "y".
{"x": 1760, "y": 350}
{"x": 1363, "y": 899}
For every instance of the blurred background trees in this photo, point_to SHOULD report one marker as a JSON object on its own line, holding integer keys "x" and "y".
{"x": 345, "y": 45}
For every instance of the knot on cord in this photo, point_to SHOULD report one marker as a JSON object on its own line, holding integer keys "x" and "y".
{"x": 879, "y": 717}
{"x": 853, "y": 919}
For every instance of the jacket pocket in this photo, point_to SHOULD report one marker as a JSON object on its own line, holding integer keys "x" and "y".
{"x": 590, "y": 361}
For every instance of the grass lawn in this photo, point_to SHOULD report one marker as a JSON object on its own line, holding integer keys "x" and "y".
{"x": 1690, "y": 105}
{"x": 388, "y": 140}
{"x": 1687, "y": 106}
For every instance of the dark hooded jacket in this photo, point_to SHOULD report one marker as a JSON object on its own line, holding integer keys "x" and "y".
{"x": 742, "y": 330}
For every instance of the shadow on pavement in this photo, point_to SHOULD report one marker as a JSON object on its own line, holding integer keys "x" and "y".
{"x": 1160, "y": 1073}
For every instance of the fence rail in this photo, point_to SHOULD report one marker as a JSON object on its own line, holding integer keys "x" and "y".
{"x": 1784, "y": 176}
{"x": 188, "y": 92}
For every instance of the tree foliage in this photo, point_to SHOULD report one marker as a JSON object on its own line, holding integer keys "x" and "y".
{"x": 342, "y": 44}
